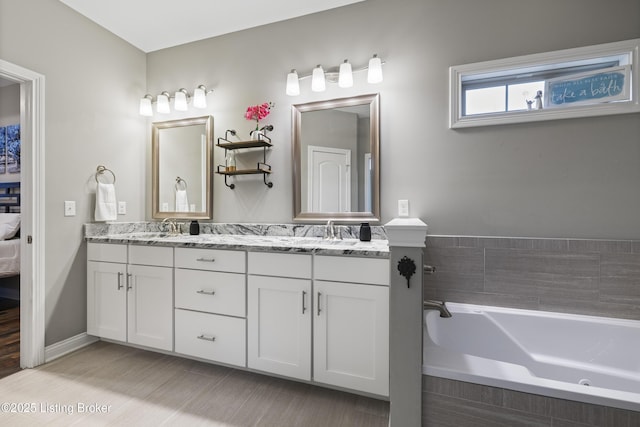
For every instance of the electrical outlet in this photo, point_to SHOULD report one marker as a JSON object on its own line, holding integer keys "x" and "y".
{"x": 403, "y": 208}
{"x": 69, "y": 208}
{"x": 122, "y": 208}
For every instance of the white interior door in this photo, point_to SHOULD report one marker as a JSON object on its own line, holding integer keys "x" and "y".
{"x": 329, "y": 183}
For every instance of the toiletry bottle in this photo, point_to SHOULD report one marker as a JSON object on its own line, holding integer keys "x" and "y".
{"x": 230, "y": 161}
{"x": 194, "y": 228}
{"x": 365, "y": 232}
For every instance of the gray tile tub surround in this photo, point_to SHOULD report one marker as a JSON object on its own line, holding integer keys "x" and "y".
{"x": 451, "y": 403}
{"x": 286, "y": 230}
{"x": 580, "y": 276}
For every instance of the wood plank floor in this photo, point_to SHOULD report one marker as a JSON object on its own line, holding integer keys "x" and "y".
{"x": 9, "y": 341}
{"x": 132, "y": 387}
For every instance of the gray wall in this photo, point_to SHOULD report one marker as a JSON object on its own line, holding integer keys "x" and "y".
{"x": 9, "y": 105}
{"x": 569, "y": 178}
{"x": 93, "y": 81}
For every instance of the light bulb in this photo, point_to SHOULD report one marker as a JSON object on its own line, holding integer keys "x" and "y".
{"x": 145, "y": 106}
{"x": 375, "y": 70}
{"x": 200, "y": 97}
{"x": 293, "y": 85}
{"x": 180, "y": 100}
{"x": 317, "y": 80}
{"x": 163, "y": 103}
{"x": 345, "y": 79}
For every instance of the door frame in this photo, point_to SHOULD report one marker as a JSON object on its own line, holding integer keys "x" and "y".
{"x": 32, "y": 236}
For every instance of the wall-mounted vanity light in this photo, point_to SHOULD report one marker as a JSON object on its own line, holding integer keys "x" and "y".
{"x": 180, "y": 98}
{"x": 162, "y": 103}
{"x": 342, "y": 75}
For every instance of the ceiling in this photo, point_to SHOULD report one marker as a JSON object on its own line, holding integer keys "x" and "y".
{"x": 157, "y": 24}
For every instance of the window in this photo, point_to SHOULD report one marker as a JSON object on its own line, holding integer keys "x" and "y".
{"x": 594, "y": 80}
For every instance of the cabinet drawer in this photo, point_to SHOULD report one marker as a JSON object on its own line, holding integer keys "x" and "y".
{"x": 151, "y": 255}
{"x": 211, "y": 259}
{"x": 106, "y": 252}
{"x": 374, "y": 271}
{"x": 283, "y": 265}
{"x": 213, "y": 292}
{"x": 211, "y": 337}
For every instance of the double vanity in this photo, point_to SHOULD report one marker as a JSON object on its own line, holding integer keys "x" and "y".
{"x": 306, "y": 308}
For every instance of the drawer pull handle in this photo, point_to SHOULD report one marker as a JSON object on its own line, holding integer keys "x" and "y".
{"x": 202, "y": 337}
{"x": 304, "y": 294}
{"x": 120, "y": 274}
{"x": 203, "y": 292}
{"x": 129, "y": 278}
{"x": 319, "y": 295}
{"x": 206, "y": 259}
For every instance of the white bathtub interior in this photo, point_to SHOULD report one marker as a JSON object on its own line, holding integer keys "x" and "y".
{"x": 584, "y": 358}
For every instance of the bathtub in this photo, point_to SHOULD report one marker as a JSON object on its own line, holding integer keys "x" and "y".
{"x": 583, "y": 358}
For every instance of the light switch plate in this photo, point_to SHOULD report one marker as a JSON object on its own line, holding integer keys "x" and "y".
{"x": 69, "y": 208}
{"x": 403, "y": 208}
{"x": 122, "y": 208}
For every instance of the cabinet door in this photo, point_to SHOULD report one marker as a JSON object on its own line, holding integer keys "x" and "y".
{"x": 106, "y": 300}
{"x": 279, "y": 326}
{"x": 351, "y": 336}
{"x": 150, "y": 306}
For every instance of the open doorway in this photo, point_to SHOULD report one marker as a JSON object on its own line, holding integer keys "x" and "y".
{"x": 10, "y": 166}
{"x": 31, "y": 205}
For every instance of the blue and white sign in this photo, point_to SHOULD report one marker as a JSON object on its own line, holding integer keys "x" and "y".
{"x": 593, "y": 87}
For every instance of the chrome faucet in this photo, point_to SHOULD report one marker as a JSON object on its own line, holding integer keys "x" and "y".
{"x": 437, "y": 305}
{"x": 174, "y": 227}
{"x": 330, "y": 231}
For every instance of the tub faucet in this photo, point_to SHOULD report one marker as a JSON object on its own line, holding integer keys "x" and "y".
{"x": 437, "y": 305}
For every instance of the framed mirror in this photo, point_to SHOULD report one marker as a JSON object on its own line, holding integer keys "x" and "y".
{"x": 181, "y": 166}
{"x": 336, "y": 160}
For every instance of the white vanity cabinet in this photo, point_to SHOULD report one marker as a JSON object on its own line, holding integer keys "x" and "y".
{"x": 351, "y": 323}
{"x": 279, "y": 314}
{"x": 210, "y": 300}
{"x": 348, "y": 304}
{"x": 315, "y": 317}
{"x": 130, "y": 294}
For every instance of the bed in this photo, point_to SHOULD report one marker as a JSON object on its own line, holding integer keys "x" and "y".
{"x": 9, "y": 258}
{"x": 9, "y": 197}
{"x": 9, "y": 229}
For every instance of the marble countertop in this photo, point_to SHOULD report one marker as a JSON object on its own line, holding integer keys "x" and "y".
{"x": 376, "y": 248}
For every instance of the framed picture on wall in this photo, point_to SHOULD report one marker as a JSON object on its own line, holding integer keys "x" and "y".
{"x": 12, "y": 150}
{"x": 3, "y": 150}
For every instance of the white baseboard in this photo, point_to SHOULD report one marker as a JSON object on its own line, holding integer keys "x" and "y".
{"x": 59, "y": 349}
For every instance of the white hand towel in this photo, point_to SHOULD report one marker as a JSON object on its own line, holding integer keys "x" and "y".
{"x": 182, "y": 203}
{"x": 106, "y": 209}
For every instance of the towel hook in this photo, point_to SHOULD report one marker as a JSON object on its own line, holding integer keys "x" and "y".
{"x": 180, "y": 181}
{"x": 101, "y": 170}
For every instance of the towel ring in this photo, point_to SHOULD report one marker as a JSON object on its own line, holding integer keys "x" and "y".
{"x": 180, "y": 181}
{"x": 100, "y": 170}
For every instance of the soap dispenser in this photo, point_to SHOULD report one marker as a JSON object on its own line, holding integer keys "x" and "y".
{"x": 365, "y": 232}
{"x": 194, "y": 228}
